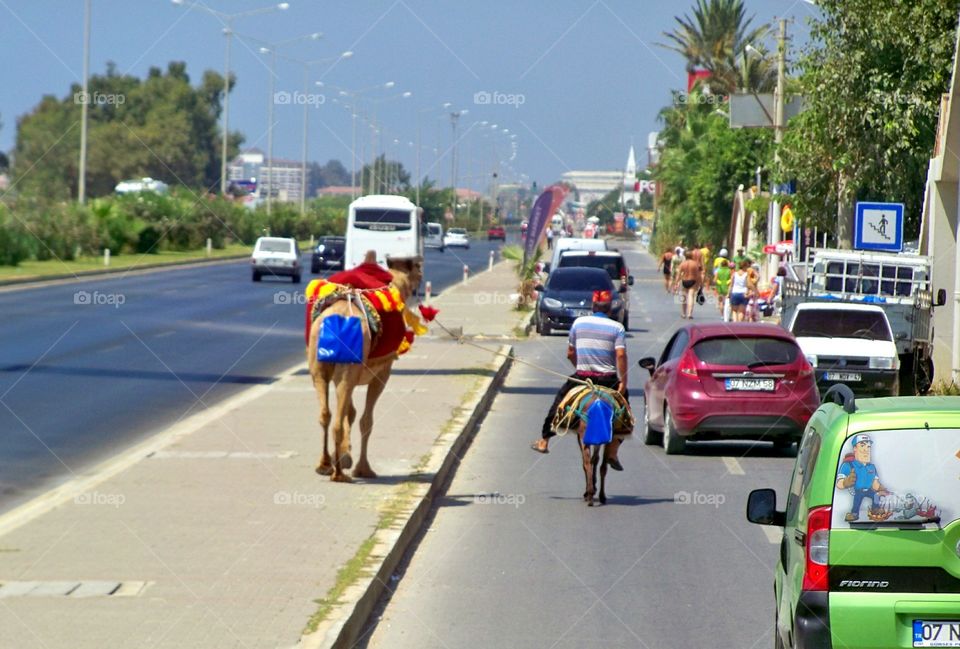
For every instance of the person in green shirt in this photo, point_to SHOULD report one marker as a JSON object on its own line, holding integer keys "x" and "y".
{"x": 722, "y": 280}
{"x": 738, "y": 258}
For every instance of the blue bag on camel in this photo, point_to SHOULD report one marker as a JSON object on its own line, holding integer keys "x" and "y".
{"x": 340, "y": 339}
{"x": 599, "y": 428}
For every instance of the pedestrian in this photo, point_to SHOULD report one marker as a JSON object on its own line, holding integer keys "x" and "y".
{"x": 722, "y": 281}
{"x": 738, "y": 291}
{"x": 690, "y": 275}
{"x": 675, "y": 268}
{"x": 549, "y": 238}
{"x": 705, "y": 260}
{"x": 597, "y": 348}
{"x": 665, "y": 265}
{"x": 753, "y": 290}
{"x": 738, "y": 258}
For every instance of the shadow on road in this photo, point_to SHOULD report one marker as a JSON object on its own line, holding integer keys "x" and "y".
{"x": 736, "y": 449}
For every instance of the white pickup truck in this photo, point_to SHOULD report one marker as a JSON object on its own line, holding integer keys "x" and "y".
{"x": 848, "y": 343}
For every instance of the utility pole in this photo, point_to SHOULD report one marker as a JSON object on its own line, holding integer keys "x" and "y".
{"x": 454, "y": 116}
{"x": 84, "y": 107}
{"x": 779, "y": 102}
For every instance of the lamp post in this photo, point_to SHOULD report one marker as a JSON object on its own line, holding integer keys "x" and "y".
{"x": 227, "y": 20}
{"x": 84, "y": 109}
{"x": 271, "y": 49}
{"x": 454, "y": 118}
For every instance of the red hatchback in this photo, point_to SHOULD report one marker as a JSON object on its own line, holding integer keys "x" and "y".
{"x": 496, "y": 232}
{"x": 728, "y": 380}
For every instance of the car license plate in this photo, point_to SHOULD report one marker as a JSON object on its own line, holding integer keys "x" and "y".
{"x": 580, "y": 312}
{"x": 843, "y": 376}
{"x": 749, "y": 385}
{"x": 936, "y": 633}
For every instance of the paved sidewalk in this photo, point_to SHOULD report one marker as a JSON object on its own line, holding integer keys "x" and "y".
{"x": 220, "y": 534}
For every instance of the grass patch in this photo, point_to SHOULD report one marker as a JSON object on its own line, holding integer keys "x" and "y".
{"x": 945, "y": 389}
{"x": 39, "y": 269}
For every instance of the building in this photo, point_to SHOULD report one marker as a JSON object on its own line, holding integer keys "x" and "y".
{"x": 593, "y": 185}
{"x": 339, "y": 190}
{"x": 286, "y": 177}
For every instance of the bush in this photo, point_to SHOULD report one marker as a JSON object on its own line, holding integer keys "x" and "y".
{"x": 15, "y": 243}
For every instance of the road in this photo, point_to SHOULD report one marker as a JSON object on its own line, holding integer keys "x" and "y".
{"x": 514, "y": 558}
{"x": 88, "y": 368}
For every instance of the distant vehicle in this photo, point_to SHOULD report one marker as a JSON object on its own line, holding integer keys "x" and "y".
{"x": 497, "y": 232}
{"x": 898, "y": 283}
{"x": 729, "y": 380}
{"x": 609, "y": 261}
{"x": 276, "y": 256}
{"x": 328, "y": 253}
{"x": 568, "y": 295}
{"x": 848, "y": 343}
{"x": 456, "y": 237}
{"x": 572, "y": 243}
{"x": 389, "y": 225}
{"x": 434, "y": 236}
{"x": 869, "y": 556}
{"x": 141, "y": 185}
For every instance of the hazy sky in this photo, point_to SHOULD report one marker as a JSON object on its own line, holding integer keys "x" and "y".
{"x": 578, "y": 80}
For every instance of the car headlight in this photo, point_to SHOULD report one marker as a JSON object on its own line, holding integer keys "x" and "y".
{"x": 812, "y": 359}
{"x": 883, "y": 363}
{"x": 551, "y": 303}
{"x": 321, "y": 248}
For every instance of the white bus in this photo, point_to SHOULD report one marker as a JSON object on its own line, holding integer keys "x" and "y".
{"x": 388, "y": 224}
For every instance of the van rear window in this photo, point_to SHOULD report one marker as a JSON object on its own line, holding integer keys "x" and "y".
{"x": 899, "y": 478}
{"x": 381, "y": 219}
{"x": 612, "y": 265}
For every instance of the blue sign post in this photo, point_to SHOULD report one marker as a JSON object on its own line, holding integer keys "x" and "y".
{"x": 878, "y": 226}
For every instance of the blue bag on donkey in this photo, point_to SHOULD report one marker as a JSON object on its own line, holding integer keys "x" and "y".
{"x": 599, "y": 429}
{"x": 340, "y": 339}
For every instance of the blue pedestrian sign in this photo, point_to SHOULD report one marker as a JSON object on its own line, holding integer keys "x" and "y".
{"x": 878, "y": 226}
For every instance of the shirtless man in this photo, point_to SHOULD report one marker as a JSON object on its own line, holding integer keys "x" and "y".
{"x": 665, "y": 261}
{"x": 690, "y": 274}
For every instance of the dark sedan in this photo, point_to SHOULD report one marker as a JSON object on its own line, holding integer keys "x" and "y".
{"x": 328, "y": 254}
{"x": 568, "y": 295}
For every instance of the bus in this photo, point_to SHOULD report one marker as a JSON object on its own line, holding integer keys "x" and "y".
{"x": 390, "y": 225}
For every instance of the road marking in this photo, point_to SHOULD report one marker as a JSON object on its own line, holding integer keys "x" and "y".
{"x": 774, "y": 534}
{"x": 733, "y": 466}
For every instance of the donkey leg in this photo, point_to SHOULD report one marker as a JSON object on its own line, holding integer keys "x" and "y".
{"x": 374, "y": 390}
{"x": 594, "y": 462}
{"x": 603, "y": 481}
{"x": 587, "y": 473}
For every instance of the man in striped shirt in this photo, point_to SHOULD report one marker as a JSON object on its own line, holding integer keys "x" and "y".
{"x": 598, "y": 351}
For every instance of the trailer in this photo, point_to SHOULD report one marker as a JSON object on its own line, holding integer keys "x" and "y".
{"x": 899, "y": 283}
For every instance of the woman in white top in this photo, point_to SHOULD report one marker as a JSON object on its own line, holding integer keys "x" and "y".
{"x": 738, "y": 292}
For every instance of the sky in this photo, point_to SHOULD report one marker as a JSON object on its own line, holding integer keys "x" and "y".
{"x": 576, "y": 81}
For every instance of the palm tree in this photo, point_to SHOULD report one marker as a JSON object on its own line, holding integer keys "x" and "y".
{"x": 714, "y": 39}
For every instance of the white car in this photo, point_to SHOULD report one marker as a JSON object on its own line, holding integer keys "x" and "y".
{"x": 141, "y": 185}
{"x": 456, "y": 237}
{"x": 276, "y": 256}
{"x": 434, "y": 236}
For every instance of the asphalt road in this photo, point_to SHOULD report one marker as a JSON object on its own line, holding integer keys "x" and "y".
{"x": 514, "y": 558}
{"x": 88, "y": 368}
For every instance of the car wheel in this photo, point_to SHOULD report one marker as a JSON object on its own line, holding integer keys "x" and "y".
{"x": 542, "y": 327}
{"x": 651, "y": 437}
{"x": 256, "y": 276}
{"x": 442, "y": 248}
{"x": 673, "y": 442}
{"x": 296, "y": 278}
{"x": 314, "y": 268}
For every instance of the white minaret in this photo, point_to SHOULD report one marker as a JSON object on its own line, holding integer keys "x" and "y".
{"x": 630, "y": 180}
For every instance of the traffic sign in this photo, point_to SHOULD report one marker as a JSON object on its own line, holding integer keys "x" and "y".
{"x": 878, "y": 226}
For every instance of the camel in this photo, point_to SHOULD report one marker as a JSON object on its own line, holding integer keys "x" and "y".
{"x": 572, "y": 415}
{"x": 374, "y": 373}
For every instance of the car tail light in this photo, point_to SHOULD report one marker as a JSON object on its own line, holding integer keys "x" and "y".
{"x": 687, "y": 366}
{"x": 816, "y": 549}
{"x": 806, "y": 369}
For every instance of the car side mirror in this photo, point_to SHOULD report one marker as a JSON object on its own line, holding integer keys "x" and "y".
{"x": 648, "y": 363}
{"x": 941, "y": 297}
{"x": 762, "y": 508}
{"x": 629, "y": 280}
{"x": 538, "y": 287}
{"x": 546, "y": 267}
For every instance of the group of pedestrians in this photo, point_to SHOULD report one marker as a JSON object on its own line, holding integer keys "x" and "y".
{"x": 685, "y": 274}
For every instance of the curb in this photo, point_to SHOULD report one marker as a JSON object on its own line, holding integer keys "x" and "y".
{"x": 63, "y": 278}
{"x": 348, "y": 619}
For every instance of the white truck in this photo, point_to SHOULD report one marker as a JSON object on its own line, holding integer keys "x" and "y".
{"x": 899, "y": 284}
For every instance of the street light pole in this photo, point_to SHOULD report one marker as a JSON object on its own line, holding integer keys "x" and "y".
{"x": 84, "y": 107}
{"x": 270, "y": 174}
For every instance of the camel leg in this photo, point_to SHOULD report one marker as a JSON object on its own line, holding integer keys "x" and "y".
{"x": 322, "y": 386}
{"x": 374, "y": 390}
{"x": 341, "y": 430}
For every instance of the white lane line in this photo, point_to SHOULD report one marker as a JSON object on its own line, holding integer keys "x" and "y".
{"x": 733, "y": 466}
{"x": 773, "y": 533}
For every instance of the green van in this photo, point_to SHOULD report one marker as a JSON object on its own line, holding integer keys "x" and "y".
{"x": 870, "y": 555}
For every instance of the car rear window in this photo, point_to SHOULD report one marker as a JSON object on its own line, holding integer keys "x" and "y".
{"x": 578, "y": 281}
{"x": 841, "y": 323}
{"x": 612, "y": 265}
{"x": 275, "y": 245}
{"x": 898, "y": 478}
{"x": 746, "y": 351}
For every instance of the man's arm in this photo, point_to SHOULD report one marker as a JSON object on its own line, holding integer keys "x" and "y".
{"x": 622, "y": 370}
{"x": 572, "y": 355}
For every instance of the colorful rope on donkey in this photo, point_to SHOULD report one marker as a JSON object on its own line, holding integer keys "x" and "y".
{"x": 575, "y": 406}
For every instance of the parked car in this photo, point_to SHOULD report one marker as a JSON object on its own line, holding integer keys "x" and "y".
{"x": 456, "y": 237}
{"x": 141, "y": 185}
{"x": 848, "y": 343}
{"x": 609, "y": 261}
{"x": 870, "y": 555}
{"x": 568, "y": 295}
{"x": 727, "y": 380}
{"x": 276, "y": 256}
{"x": 328, "y": 254}
{"x": 434, "y": 236}
{"x": 497, "y": 232}
{"x": 563, "y": 244}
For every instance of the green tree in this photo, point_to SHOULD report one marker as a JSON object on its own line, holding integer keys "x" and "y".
{"x": 872, "y": 79}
